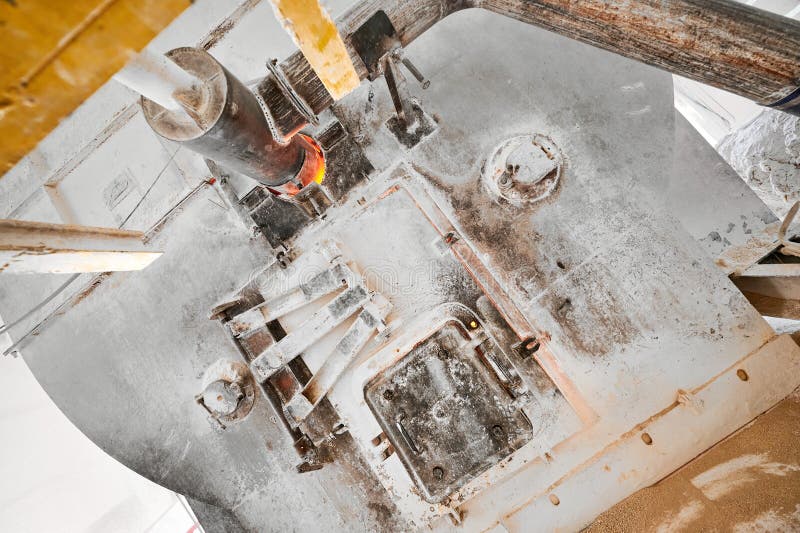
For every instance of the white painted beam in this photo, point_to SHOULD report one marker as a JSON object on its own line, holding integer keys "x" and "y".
{"x": 30, "y": 247}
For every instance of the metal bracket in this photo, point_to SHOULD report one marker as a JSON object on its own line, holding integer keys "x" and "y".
{"x": 398, "y": 89}
{"x": 373, "y": 40}
{"x": 288, "y": 91}
{"x": 370, "y": 320}
{"x": 379, "y": 47}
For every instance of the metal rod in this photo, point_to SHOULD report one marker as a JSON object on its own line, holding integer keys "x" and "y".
{"x": 397, "y": 88}
{"x": 416, "y": 73}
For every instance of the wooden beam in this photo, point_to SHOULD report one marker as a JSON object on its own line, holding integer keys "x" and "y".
{"x": 319, "y": 40}
{"x": 30, "y": 247}
{"x": 772, "y": 270}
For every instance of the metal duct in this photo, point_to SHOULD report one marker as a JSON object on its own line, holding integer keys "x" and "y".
{"x": 726, "y": 44}
{"x": 225, "y": 122}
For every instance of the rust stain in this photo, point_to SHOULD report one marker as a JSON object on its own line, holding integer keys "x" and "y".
{"x": 218, "y": 33}
{"x": 86, "y": 292}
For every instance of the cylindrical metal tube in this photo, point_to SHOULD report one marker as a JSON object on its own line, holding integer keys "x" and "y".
{"x": 723, "y": 43}
{"x": 228, "y": 124}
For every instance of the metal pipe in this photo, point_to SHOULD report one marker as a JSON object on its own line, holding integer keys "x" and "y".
{"x": 226, "y": 123}
{"x": 157, "y": 78}
{"x": 723, "y": 43}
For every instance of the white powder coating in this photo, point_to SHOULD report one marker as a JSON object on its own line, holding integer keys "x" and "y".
{"x": 771, "y": 521}
{"x": 726, "y": 477}
{"x": 766, "y": 154}
{"x": 682, "y": 519}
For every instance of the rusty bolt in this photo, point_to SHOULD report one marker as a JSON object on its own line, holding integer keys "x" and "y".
{"x": 497, "y": 431}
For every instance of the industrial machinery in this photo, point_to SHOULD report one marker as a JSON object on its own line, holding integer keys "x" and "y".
{"x": 497, "y": 299}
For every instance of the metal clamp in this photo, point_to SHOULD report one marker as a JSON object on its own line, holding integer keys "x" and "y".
{"x": 288, "y": 91}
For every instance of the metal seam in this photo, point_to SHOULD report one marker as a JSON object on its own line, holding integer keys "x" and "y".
{"x": 280, "y": 139}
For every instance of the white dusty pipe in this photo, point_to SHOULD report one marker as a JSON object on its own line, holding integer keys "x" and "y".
{"x": 157, "y": 78}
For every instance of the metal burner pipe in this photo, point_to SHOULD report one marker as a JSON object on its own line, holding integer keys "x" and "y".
{"x": 224, "y": 121}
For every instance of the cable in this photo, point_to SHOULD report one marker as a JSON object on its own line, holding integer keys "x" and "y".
{"x": 5, "y": 327}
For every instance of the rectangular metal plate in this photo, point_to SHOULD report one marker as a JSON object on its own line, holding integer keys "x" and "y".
{"x": 445, "y": 413}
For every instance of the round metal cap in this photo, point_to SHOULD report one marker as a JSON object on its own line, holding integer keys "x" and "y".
{"x": 524, "y": 169}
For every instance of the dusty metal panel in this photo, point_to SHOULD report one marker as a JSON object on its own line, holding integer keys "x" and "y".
{"x": 149, "y": 420}
{"x": 629, "y": 308}
{"x": 728, "y": 216}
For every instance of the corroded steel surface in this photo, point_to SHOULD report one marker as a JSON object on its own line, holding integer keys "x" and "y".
{"x": 612, "y": 275}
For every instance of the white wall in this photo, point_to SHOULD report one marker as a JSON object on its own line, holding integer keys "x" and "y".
{"x": 716, "y": 113}
{"x": 54, "y": 479}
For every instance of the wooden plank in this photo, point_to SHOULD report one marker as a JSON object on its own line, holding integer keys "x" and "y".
{"x": 37, "y": 247}
{"x": 56, "y": 54}
{"x": 319, "y": 40}
{"x": 778, "y": 270}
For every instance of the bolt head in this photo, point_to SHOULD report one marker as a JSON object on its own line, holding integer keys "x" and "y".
{"x": 222, "y": 397}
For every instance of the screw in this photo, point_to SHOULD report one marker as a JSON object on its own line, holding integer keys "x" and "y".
{"x": 533, "y": 345}
{"x": 438, "y": 473}
{"x": 498, "y": 432}
{"x": 388, "y": 395}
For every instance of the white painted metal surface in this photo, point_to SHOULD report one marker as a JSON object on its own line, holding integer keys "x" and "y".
{"x": 30, "y": 247}
{"x": 650, "y": 338}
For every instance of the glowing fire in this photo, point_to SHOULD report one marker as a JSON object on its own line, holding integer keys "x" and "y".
{"x": 313, "y": 169}
{"x": 319, "y": 175}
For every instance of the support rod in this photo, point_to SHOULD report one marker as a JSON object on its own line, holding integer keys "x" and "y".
{"x": 38, "y": 247}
